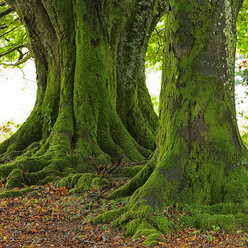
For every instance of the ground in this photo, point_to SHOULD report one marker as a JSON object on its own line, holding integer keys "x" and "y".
{"x": 51, "y": 216}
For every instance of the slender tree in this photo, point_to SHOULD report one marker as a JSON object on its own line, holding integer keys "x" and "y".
{"x": 133, "y": 105}
{"x": 82, "y": 78}
{"x": 200, "y": 158}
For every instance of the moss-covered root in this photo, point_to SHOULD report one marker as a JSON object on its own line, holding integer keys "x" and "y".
{"x": 78, "y": 182}
{"x": 40, "y": 170}
{"x": 15, "y": 192}
{"x": 87, "y": 181}
{"x": 144, "y": 221}
{"x": 137, "y": 224}
{"x": 137, "y": 181}
{"x": 228, "y": 216}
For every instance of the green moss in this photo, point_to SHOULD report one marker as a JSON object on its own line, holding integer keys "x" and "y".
{"x": 161, "y": 223}
{"x": 152, "y": 228}
{"x": 99, "y": 183}
{"x": 229, "y": 216}
{"x": 149, "y": 231}
{"x": 13, "y": 193}
{"x": 108, "y": 216}
{"x": 47, "y": 179}
{"x": 241, "y": 221}
{"x": 84, "y": 182}
{"x": 69, "y": 181}
{"x": 5, "y": 170}
{"x": 9, "y": 155}
{"x": 136, "y": 182}
{"x": 15, "y": 179}
{"x": 236, "y": 187}
{"x": 103, "y": 158}
{"x": 132, "y": 226}
{"x": 49, "y": 172}
{"x": 31, "y": 164}
{"x": 207, "y": 222}
{"x": 224, "y": 221}
{"x": 131, "y": 171}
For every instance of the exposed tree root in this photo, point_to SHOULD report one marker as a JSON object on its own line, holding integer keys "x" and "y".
{"x": 136, "y": 182}
{"x": 145, "y": 222}
{"x": 153, "y": 207}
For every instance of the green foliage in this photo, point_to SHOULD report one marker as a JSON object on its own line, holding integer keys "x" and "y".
{"x": 244, "y": 136}
{"x": 155, "y": 103}
{"x": 155, "y": 47}
{"x": 13, "y": 37}
{"x": 242, "y": 29}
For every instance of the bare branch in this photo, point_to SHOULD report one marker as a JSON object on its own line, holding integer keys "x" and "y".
{"x": 24, "y": 76}
{"x": 19, "y": 61}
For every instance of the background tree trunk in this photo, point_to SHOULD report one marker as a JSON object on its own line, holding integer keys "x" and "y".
{"x": 133, "y": 100}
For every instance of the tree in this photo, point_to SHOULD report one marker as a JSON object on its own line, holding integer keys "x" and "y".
{"x": 84, "y": 71}
{"x": 80, "y": 48}
{"x": 200, "y": 158}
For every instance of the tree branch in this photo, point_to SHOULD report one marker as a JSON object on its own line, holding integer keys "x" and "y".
{"x": 3, "y": 27}
{"x": 13, "y": 49}
{"x": 8, "y": 32}
{"x": 19, "y": 61}
{"x": 7, "y": 11}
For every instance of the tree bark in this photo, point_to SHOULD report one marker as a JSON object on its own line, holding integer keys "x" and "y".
{"x": 75, "y": 122}
{"x": 133, "y": 100}
{"x": 200, "y": 158}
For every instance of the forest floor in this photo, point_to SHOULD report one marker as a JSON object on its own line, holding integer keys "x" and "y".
{"x": 51, "y": 217}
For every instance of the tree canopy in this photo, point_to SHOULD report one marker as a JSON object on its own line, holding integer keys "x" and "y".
{"x": 13, "y": 37}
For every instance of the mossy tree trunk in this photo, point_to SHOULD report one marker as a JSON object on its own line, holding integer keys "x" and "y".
{"x": 199, "y": 153}
{"x": 200, "y": 158}
{"x": 74, "y": 122}
{"x": 133, "y": 100}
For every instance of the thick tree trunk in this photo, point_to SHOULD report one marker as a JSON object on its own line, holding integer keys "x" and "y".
{"x": 199, "y": 153}
{"x": 75, "y": 122}
{"x": 200, "y": 158}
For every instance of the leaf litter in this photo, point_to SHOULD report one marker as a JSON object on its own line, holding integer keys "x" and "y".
{"x": 51, "y": 217}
